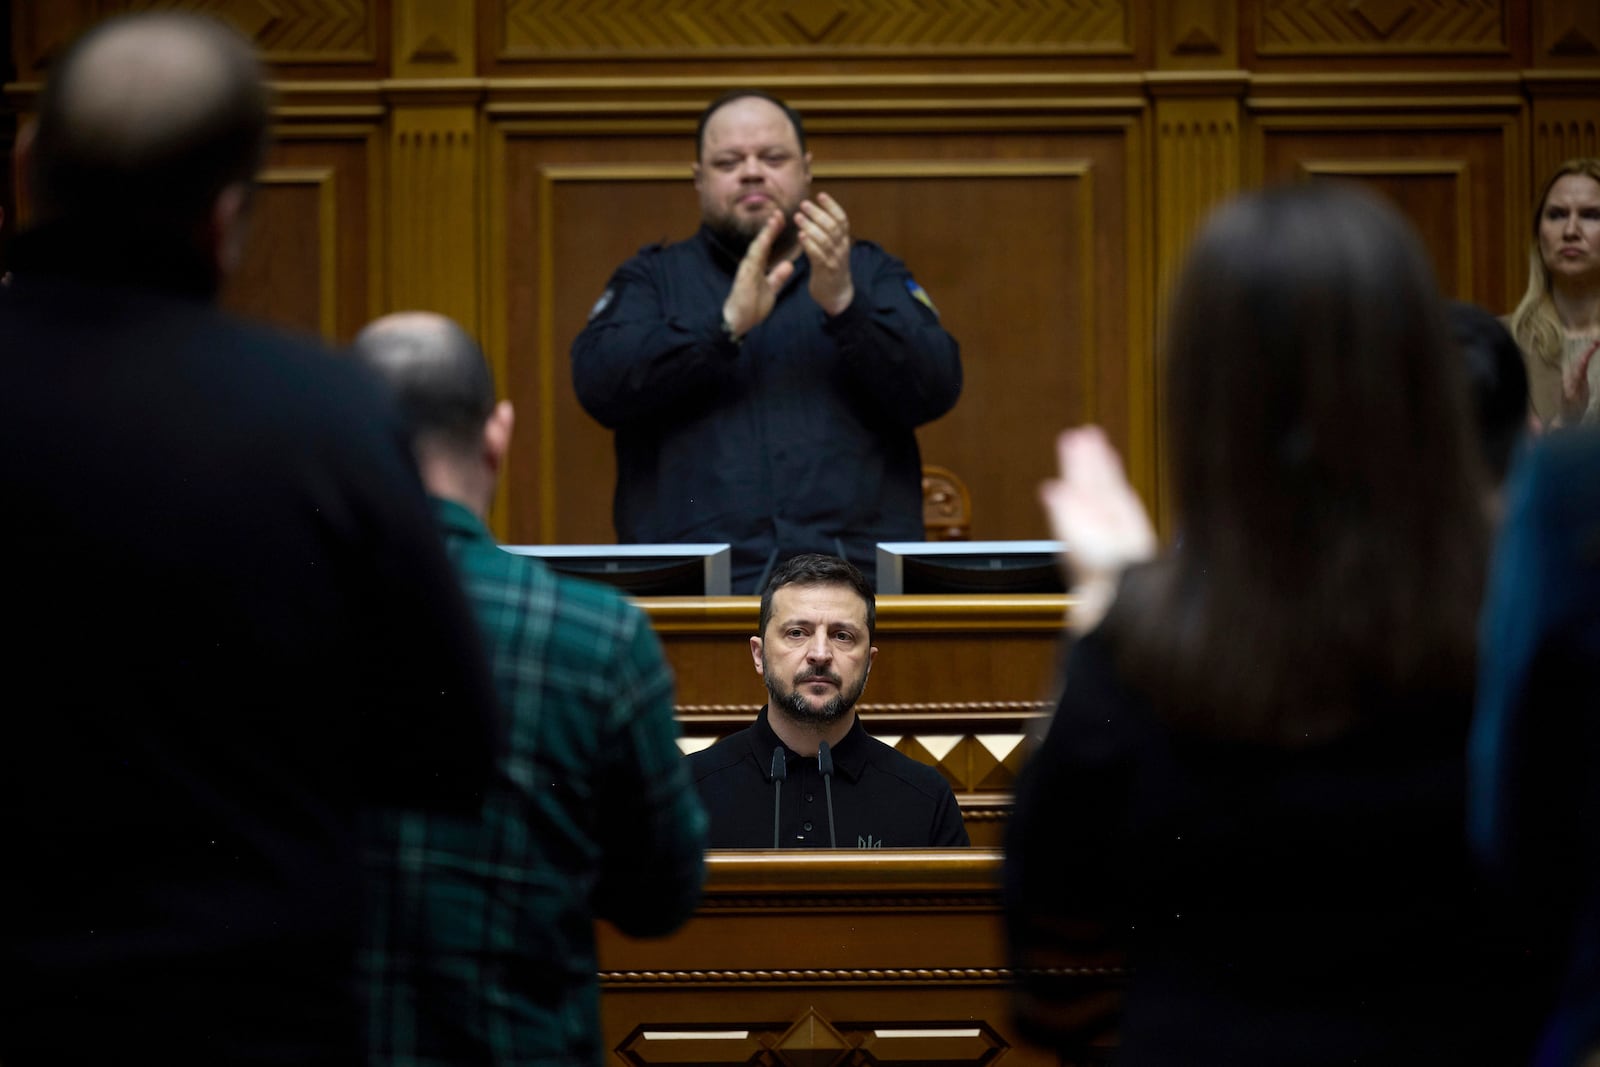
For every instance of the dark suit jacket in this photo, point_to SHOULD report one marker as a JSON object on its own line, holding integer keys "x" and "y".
{"x": 231, "y": 624}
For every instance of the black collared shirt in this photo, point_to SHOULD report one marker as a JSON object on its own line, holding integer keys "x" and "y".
{"x": 880, "y": 798}
{"x": 800, "y": 439}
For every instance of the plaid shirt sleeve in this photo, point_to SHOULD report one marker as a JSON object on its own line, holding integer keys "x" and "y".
{"x": 649, "y": 819}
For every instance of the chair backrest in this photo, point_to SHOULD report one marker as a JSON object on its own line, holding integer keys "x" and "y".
{"x": 946, "y": 505}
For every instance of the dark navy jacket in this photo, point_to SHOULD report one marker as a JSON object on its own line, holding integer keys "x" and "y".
{"x": 1535, "y": 795}
{"x": 881, "y": 798}
{"x": 800, "y": 439}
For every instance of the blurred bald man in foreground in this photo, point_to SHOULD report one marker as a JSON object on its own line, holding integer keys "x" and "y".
{"x": 233, "y": 626}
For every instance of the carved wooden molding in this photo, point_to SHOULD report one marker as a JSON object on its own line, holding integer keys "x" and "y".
{"x": 898, "y": 976}
{"x": 433, "y": 216}
{"x": 958, "y": 1039}
{"x": 1196, "y": 33}
{"x": 1567, "y": 31}
{"x": 819, "y": 872}
{"x": 813, "y": 904}
{"x": 1381, "y": 27}
{"x": 434, "y": 38}
{"x": 932, "y": 709}
{"x": 1562, "y": 130}
{"x": 295, "y": 34}
{"x": 1197, "y": 165}
{"x": 610, "y": 29}
{"x": 971, "y": 763}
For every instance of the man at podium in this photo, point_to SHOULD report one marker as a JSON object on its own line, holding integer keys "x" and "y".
{"x": 806, "y": 774}
{"x": 765, "y": 376}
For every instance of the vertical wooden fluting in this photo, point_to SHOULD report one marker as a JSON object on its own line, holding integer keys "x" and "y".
{"x": 434, "y": 162}
{"x": 1197, "y": 96}
{"x": 1197, "y": 166}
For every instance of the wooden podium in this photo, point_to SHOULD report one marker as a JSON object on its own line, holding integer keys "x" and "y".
{"x": 961, "y": 683}
{"x": 828, "y": 959}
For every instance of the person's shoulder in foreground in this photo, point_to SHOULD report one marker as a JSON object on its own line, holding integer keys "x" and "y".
{"x": 1534, "y": 805}
{"x": 243, "y": 526}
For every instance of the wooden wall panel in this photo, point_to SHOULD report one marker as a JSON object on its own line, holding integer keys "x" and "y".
{"x": 289, "y": 268}
{"x": 1451, "y": 176}
{"x": 314, "y": 261}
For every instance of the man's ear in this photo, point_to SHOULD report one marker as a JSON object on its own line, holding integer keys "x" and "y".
{"x": 872, "y": 654}
{"x": 755, "y": 654}
{"x": 805, "y": 165}
{"x": 497, "y": 436}
{"x": 226, "y": 229}
{"x": 699, "y": 175}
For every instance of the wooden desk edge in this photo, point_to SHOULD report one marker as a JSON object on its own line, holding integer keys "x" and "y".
{"x": 788, "y": 871}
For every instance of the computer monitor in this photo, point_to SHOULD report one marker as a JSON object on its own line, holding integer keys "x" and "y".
{"x": 643, "y": 570}
{"x": 940, "y": 567}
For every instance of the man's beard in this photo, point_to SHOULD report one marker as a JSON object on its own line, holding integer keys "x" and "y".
{"x": 735, "y": 232}
{"x": 794, "y": 703}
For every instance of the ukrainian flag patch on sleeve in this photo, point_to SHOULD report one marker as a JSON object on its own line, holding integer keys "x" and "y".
{"x": 920, "y": 295}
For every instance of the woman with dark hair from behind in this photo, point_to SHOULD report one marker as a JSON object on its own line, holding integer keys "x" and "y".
{"x": 1253, "y": 785}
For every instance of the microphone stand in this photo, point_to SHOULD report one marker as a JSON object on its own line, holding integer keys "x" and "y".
{"x": 780, "y": 771}
{"x": 825, "y": 768}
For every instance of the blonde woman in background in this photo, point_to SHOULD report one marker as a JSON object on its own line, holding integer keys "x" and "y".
{"x": 1557, "y": 324}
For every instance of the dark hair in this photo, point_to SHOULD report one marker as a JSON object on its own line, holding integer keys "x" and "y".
{"x": 144, "y": 160}
{"x": 1334, "y": 537}
{"x": 437, "y": 375}
{"x": 813, "y": 568}
{"x": 740, "y": 94}
{"x": 1497, "y": 379}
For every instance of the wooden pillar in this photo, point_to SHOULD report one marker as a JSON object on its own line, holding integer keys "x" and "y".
{"x": 435, "y": 158}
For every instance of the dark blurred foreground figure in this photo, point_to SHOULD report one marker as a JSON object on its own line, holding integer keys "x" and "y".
{"x": 1497, "y": 383}
{"x": 233, "y": 624}
{"x": 1536, "y": 738}
{"x": 482, "y": 947}
{"x": 1254, "y": 784}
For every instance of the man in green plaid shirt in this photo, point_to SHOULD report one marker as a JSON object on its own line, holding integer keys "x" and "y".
{"x": 482, "y": 944}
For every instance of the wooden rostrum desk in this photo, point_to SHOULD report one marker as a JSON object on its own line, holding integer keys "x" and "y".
{"x": 826, "y": 959}
{"x": 854, "y": 957}
{"x": 962, "y": 683}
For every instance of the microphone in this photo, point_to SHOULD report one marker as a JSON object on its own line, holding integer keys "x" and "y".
{"x": 825, "y": 767}
{"x": 780, "y": 771}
